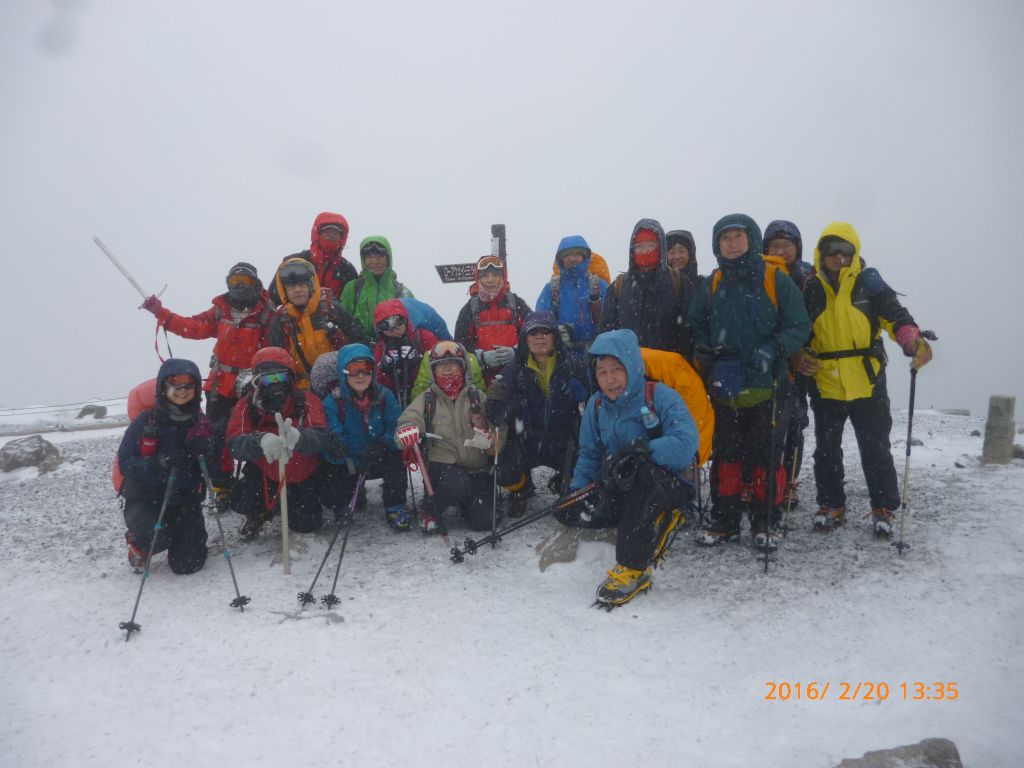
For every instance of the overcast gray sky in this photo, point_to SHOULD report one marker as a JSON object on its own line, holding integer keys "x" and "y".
{"x": 190, "y": 135}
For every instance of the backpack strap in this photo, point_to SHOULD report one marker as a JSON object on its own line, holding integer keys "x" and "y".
{"x": 618, "y": 285}
{"x": 555, "y": 294}
{"x": 358, "y": 290}
{"x": 676, "y": 282}
{"x": 429, "y": 406}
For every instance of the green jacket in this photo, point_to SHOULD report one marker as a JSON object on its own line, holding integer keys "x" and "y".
{"x": 361, "y": 296}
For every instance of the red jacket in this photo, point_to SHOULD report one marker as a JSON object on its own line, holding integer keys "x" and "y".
{"x": 236, "y": 343}
{"x": 246, "y": 418}
{"x": 332, "y": 270}
{"x": 420, "y": 339}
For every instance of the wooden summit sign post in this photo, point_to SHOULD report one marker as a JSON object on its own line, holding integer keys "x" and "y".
{"x": 463, "y": 273}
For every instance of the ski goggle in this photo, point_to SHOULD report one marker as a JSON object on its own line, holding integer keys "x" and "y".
{"x": 359, "y": 368}
{"x": 490, "y": 264}
{"x": 292, "y": 274}
{"x": 242, "y": 279}
{"x": 390, "y": 323}
{"x": 373, "y": 249}
{"x": 837, "y": 248}
{"x": 273, "y": 377}
{"x": 448, "y": 351}
{"x": 331, "y": 232}
{"x": 180, "y": 381}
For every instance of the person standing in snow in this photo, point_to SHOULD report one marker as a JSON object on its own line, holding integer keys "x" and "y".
{"x": 537, "y": 398}
{"x": 849, "y": 305}
{"x": 376, "y": 283}
{"x": 309, "y": 322}
{"x": 636, "y": 461}
{"x": 748, "y": 318}
{"x": 651, "y": 298}
{"x": 459, "y": 441}
{"x": 489, "y": 323}
{"x": 682, "y": 254}
{"x": 173, "y": 435}
{"x": 361, "y": 416}
{"x": 575, "y": 294}
{"x": 239, "y": 320}
{"x": 255, "y": 437}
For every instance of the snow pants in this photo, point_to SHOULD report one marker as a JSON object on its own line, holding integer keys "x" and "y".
{"x": 744, "y": 448}
{"x": 471, "y": 492}
{"x": 872, "y": 422}
{"x": 218, "y": 411}
{"x": 656, "y": 490}
{"x": 249, "y": 495}
{"x": 338, "y": 484}
{"x": 183, "y": 532}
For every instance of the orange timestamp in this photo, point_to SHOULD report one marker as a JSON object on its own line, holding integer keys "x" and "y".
{"x": 861, "y": 690}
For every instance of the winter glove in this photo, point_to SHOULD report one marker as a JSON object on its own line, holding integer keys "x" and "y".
{"x": 497, "y": 357}
{"x": 273, "y": 447}
{"x": 289, "y": 433}
{"x": 408, "y": 436}
{"x": 496, "y": 391}
{"x": 176, "y": 458}
{"x": 374, "y": 453}
{"x": 199, "y": 437}
{"x": 481, "y": 439}
{"x": 152, "y": 304}
{"x": 804, "y": 362}
{"x": 246, "y": 447}
{"x": 922, "y": 354}
{"x": 909, "y": 338}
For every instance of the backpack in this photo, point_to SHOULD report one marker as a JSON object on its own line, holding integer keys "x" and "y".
{"x": 649, "y": 397}
{"x": 593, "y": 287}
{"x": 673, "y": 274}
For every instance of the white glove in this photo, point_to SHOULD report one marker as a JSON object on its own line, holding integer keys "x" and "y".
{"x": 480, "y": 439}
{"x": 273, "y": 447}
{"x": 289, "y": 433}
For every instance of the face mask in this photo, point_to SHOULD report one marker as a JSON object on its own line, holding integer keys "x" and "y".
{"x": 451, "y": 384}
{"x": 274, "y": 396}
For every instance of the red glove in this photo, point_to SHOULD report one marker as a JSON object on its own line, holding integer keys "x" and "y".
{"x": 909, "y": 337}
{"x": 409, "y": 436}
{"x": 153, "y": 304}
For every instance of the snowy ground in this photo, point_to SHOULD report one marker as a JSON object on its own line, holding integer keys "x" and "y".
{"x": 493, "y": 662}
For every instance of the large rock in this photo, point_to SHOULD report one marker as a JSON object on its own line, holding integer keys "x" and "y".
{"x": 31, "y": 451}
{"x": 930, "y": 753}
{"x": 92, "y": 409}
{"x": 999, "y": 428}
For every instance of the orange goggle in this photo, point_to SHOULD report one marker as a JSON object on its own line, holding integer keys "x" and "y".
{"x": 181, "y": 381}
{"x": 241, "y": 279}
{"x": 359, "y": 368}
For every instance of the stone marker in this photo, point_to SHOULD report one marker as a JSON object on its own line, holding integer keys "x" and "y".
{"x": 930, "y": 753}
{"x": 999, "y": 429}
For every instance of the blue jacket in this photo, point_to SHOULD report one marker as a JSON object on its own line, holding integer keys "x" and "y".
{"x": 618, "y": 422}
{"x": 144, "y": 477}
{"x": 422, "y": 315}
{"x": 346, "y": 421}
{"x": 574, "y": 292}
{"x": 545, "y": 424}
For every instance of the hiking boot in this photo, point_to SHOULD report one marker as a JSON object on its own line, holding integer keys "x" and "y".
{"x": 882, "y": 521}
{"x": 555, "y": 483}
{"x": 718, "y": 529}
{"x": 397, "y": 518}
{"x": 767, "y": 539}
{"x": 664, "y": 524}
{"x": 829, "y": 518}
{"x": 251, "y": 526}
{"x": 790, "y": 496}
{"x": 430, "y": 523}
{"x": 517, "y": 504}
{"x": 623, "y": 584}
{"x": 221, "y": 498}
{"x": 136, "y": 558}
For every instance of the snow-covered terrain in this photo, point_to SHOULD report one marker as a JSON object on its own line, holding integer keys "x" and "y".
{"x": 493, "y": 662}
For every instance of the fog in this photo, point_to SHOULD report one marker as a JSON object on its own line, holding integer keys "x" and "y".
{"x": 191, "y": 135}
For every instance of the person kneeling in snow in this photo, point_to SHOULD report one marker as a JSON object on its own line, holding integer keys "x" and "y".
{"x": 636, "y": 439}
{"x": 460, "y": 442}
{"x": 361, "y": 415}
{"x": 167, "y": 438}
{"x": 277, "y": 421}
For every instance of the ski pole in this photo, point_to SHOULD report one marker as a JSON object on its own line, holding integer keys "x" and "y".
{"x": 305, "y": 598}
{"x": 770, "y": 484}
{"x": 122, "y": 270}
{"x": 792, "y": 486}
{"x": 494, "y": 499}
{"x": 428, "y": 486}
{"x": 286, "y": 554}
{"x": 905, "y": 502}
{"x": 240, "y": 600}
{"x": 130, "y": 625}
{"x": 470, "y": 546}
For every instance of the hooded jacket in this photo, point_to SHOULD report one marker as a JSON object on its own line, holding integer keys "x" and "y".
{"x": 616, "y": 423}
{"x": 740, "y": 321}
{"x": 352, "y": 428}
{"x": 320, "y": 326}
{"x": 425, "y": 316}
{"x": 647, "y": 302}
{"x": 363, "y": 294}
{"x": 799, "y": 270}
{"x": 485, "y": 325}
{"x": 144, "y": 477}
{"x": 239, "y": 336}
{"x": 333, "y": 271}
{"x": 575, "y": 305}
{"x": 545, "y": 422}
{"x": 249, "y": 422}
{"x": 685, "y": 237}
{"x": 400, "y": 377}
{"x": 849, "y": 315}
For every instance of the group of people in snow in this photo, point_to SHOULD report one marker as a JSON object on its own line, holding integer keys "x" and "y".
{"x": 623, "y": 387}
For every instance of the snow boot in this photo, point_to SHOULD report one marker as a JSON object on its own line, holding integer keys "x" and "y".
{"x": 622, "y": 585}
{"x": 221, "y": 498}
{"x": 252, "y": 525}
{"x": 397, "y": 518}
{"x": 429, "y": 523}
{"x": 136, "y": 557}
{"x": 882, "y": 521}
{"x": 717, "y": 529}
{"x": 829, "y": 518}
{"x": 767, "y": 538}
{"x": 664, "y": 524}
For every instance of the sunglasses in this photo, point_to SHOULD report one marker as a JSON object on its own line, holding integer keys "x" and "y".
{"x": 838, "y": 248}
{"x": 374, "y": 249}
{"x": 181, "y": 381}
{"x": 332, "y": 232}
{"x": 390, "y": 323}
{"x": 540, "y": 332}
{"x": 359, "y": 368}
{"x": 274, "y": 377}
{"x": 241, "y": 279}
